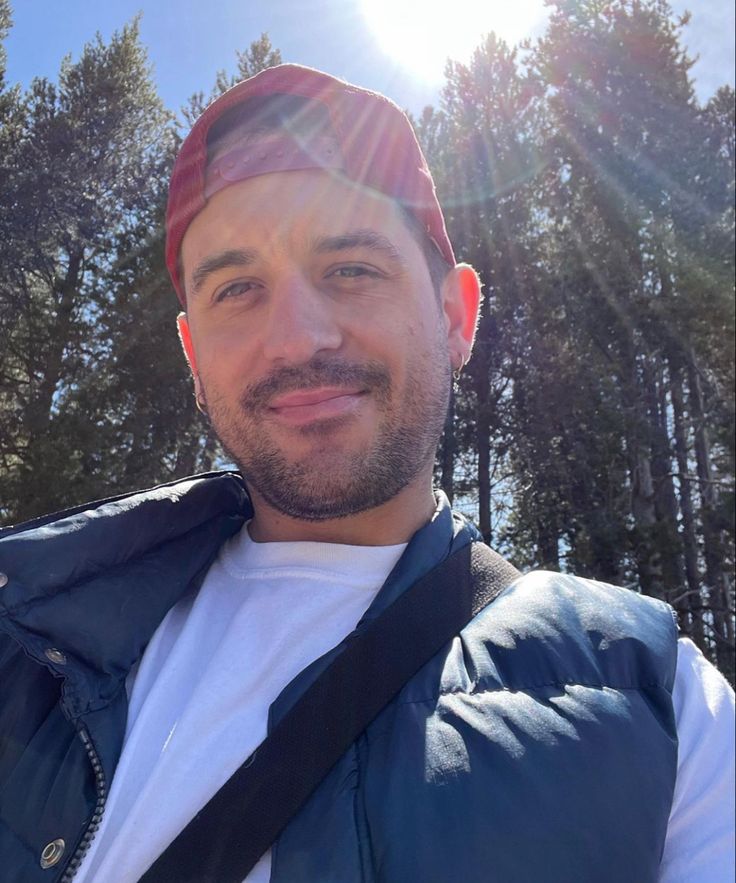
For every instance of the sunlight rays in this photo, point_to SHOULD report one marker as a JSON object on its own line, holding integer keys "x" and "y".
{"x": 421, "y": 35}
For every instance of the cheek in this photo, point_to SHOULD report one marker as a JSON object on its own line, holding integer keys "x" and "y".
{"x": 427, "y": 334}
{"x": 223, "y": 356}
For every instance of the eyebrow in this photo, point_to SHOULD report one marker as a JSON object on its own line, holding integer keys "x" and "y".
{"x": 358, "y": 239}
{"x": 243, "y": 257}
{"x": 221, "y": 260}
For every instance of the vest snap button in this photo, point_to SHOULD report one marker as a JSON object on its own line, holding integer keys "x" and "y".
{"x": 3, "y": 580}
{"x": 52, "y": 852}
{"x": 54, "y": 655}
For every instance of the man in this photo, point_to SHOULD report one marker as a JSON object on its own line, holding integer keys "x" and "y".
{"x": 151, "y": 641}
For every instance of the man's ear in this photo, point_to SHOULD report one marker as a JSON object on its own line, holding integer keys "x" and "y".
{"x": 461, "y": 298}
{"x": 185, "y": 336}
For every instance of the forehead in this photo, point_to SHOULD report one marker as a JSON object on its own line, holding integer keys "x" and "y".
{"x": 287, "y": 209}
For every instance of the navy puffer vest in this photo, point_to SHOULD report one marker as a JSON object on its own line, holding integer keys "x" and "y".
{"x": 538, "y": 746}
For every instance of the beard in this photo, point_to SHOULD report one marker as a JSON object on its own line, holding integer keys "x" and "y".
{"x": 336, "y": 480}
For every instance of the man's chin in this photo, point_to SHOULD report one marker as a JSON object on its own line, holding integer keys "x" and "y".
{"x": 324, "y": 474}
{"x": 313, "y": 505}
{"x": 320, "y": 488}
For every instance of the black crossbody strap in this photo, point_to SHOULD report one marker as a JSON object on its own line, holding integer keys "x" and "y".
{"x": 227, "y": 837}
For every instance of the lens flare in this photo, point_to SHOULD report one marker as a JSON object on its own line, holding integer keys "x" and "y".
{"x": 422, "y": 34}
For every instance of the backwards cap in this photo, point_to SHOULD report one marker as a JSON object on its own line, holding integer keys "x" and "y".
{"x": 372, "y": 144}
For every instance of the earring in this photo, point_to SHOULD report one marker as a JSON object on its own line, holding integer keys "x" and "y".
{"x": 201, "y": 404}
{"x": 459, "y": 370}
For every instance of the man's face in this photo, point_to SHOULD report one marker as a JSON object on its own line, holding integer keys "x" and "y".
{"x": 317, "y": 341}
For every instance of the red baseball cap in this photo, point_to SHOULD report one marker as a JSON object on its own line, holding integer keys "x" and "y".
{"x": 371, "y": 142}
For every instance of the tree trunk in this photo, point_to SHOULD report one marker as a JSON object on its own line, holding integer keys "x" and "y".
{"x": 37, "y": 470}
{"x": 643, "y": 506}
{"x": 718, "y": 592}
{"x": 483, "y": 436}
{"x": 648, "y": 560}
{"x": 666, "y": 536}
{"x": 693, "y": 600}
{"x": 548, "y": 543}
{"x": 480, "y": 368}
{"x": 38, "y": 414}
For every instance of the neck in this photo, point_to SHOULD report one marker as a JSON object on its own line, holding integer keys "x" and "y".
{"x": 393, "y": 522}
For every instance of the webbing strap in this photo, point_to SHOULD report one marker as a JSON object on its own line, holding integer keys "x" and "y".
{"x": 226, "y": 838}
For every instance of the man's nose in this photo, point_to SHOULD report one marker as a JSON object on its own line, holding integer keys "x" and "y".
{"x": 302, "y": 322}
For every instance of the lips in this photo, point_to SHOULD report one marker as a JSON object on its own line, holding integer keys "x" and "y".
{"x": 307, "y": 405}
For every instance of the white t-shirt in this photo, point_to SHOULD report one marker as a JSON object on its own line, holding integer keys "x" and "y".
{"x": 199, "y": 704}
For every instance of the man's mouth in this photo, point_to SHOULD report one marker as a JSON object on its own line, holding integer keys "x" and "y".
{"x": 307, "y": 405}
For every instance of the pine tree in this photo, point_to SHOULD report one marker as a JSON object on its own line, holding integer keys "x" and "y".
{"x": 85, "y": 160}
{"x": 595, "y": 195}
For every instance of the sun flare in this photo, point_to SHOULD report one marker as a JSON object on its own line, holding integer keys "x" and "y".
{"x": 422, "y": 34}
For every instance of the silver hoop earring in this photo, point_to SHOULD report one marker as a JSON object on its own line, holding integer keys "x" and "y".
{"x": 201, "y": 406}
{"x": 459, "y": 370}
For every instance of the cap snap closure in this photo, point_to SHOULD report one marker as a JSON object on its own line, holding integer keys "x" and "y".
{"x": 52, "y": 852}
{"x": 54, "y": 655}
{"x": 3, "y": 580}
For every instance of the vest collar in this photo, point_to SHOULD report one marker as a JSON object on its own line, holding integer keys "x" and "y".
{"x": 88, "y": 587}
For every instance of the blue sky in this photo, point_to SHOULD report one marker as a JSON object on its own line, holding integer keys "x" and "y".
{"x": 189, "y": 41}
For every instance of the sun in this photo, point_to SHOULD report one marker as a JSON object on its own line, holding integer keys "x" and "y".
{"x": 422, "y": 34}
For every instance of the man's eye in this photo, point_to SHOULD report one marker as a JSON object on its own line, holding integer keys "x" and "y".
{"x": 235, "y": 289}
{"x": 352, "y": 271}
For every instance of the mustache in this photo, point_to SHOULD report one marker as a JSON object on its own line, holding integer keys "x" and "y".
{"x": 318, "y": 372}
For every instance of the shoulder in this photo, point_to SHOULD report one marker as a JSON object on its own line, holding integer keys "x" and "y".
{"x": 218, "y": 489}
{"x": 699, "y": 685}
{"x": 117, "y": 528}
{"x": 700, "y": 834}
{"x": 704, "y": 707}
{"x": 563, "y": 597}
{"x": 574, "y": 630}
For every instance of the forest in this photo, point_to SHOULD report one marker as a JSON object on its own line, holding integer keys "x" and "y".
{"x": 593, "y": 429}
